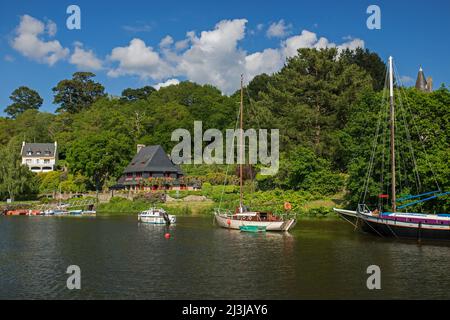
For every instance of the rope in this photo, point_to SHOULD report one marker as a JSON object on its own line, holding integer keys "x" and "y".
{"x": 228, "y": 168}
{"x": 413, "y": 120}
{"x": 374, "y": 147}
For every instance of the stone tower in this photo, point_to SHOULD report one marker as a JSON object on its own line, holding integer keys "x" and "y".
{"x": 422, "y": 84}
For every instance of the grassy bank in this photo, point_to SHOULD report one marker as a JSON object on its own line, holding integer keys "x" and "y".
{"x": 302, "y": 206}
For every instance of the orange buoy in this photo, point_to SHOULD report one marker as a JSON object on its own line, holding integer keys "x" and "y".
{"x": 229, "y": 222}
{"x": 287, "y": 206}
{"x": 167, "y": 236}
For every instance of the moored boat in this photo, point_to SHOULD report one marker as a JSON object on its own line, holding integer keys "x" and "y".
{"x": 253, "y": 229}
{"x": 156, "y": 216}
{"x": 243, "y": 217}
{"x": 393, "y": 222}
{"x": 269, "y": 221}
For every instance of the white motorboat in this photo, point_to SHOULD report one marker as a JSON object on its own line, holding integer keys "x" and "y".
{"x": 156, "y": 216}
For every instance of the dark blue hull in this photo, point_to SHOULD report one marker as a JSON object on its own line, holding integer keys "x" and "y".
{"x": 414, "y": 233}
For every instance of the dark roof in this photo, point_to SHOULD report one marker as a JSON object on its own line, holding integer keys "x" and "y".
{"x": 152, "y": 159}
{"x": 421, "y": 83}
{"x": 45, "y": 150}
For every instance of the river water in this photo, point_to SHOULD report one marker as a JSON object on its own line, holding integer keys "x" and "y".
{"x": 122, "y": 259}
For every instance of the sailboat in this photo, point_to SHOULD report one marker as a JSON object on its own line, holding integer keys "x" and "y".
{"x": 399, "y": 224}
{"x": 243, "y": 218}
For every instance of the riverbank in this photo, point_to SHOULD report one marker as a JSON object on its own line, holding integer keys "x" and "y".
{"x": 203, "y": 202}
{"x": 124, "y": 207}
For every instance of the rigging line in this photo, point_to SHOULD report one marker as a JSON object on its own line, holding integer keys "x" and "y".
{"x": 392, "y": 231}
{"x": 372, "y": 159}
{"x": 228, "y": 165}
{"x": 383, "y": 158}
{"x": 368, "y": 223}
{"x": 409, "y": 140}
{"x": 413, "y": 118}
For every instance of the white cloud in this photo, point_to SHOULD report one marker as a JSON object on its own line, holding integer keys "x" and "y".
{"x": 140, "y": 60}
{"x": 167, "y": 41}
{"x": 306, "y": 39}
{"x": 183, "y": 44}
{"x": 9, "y": 58}
{"x": 352, "y": 45}
{"x": 51, "y": 28}
{"x": 213, "y": 57}
{"x": 170, "y": 82}
{"x": 279, "y": 29}
{"x": 138, "y": 28}
{"x": 268, "y": 61}
{"x": 406, "y": 80}
{"x": 85, "y": 59}
{"x": 29, "y": 42}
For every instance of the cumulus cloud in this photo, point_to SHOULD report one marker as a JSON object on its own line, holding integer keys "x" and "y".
{"x": 269, "y": 61}
{"x": 170, "y": 82}
{"x": 279, "y": 29}
{"x": 29, "y": 41}
{"x": 139, "y": 60}
{"x": 51, "y": 28}
{"x": 85, "y": 59}
{"x": 167, "y": 41}
{"x": 213, "y": 56}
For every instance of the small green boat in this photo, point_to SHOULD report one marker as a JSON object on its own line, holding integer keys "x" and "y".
{"x": 253, "y": 229}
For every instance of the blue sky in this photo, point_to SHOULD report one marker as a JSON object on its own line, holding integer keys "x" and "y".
{"x": 414, "y": 32}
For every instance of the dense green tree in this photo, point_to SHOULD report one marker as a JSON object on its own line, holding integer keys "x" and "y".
{"x": 309, "y": 100}
{"x": 302, "y": 169}
{"x": 78, "y": 93}
{"x": 23, "y": 99}
{"x": 100, "y": 157}
{"x": 15, "y": 179}
{"x": 370, "y": 62}
{"x": 137, "y": 94}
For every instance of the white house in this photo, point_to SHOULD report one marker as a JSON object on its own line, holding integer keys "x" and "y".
{"x": 39, "y": 157}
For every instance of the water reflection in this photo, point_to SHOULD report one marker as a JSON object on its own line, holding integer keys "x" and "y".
{"x": 123, "y": 259}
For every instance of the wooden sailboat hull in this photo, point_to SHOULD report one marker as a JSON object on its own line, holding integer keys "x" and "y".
{"x": 227, "y": 222}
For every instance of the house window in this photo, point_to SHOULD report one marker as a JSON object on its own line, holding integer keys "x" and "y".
{"x": 29, "y": 153}
{"x": 138, "y": 174}
{"x": 37, "y": 161}
{"x": 129, "y": 175}
{"x": 28, "y": 160}
{"x": 38, "y": 153}
{"x": 46, "y": 161}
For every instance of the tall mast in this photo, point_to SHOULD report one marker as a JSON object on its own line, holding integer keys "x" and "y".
{"x": 392, "y": 124}
{"x": 241, "y": 168}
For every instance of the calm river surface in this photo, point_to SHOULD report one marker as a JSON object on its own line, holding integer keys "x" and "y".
{"x": 121, "y": 259}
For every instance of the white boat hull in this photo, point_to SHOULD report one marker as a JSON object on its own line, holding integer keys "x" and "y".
{"x": 157, "y": 220}
{"x": 227, "y": 222}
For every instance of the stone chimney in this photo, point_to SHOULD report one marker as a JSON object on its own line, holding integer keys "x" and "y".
{"x": 140, "y": 147}
{"x": 430, "y": 84}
